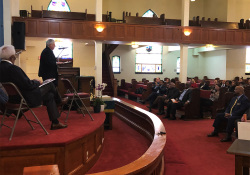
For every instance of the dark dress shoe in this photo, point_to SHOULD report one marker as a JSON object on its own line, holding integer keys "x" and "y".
{"x": 160, "y": 113}
{"x": 172, "y": 118}
{"x": 227, "y": 139}
{"x": 166, "y": 116}
{"x": 213, "y": 134}
{"x": 57, "y": 126}
{"x": 142, "y": 102}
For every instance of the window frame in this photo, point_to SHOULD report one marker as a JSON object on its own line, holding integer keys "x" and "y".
{"x": 119, "y": 64}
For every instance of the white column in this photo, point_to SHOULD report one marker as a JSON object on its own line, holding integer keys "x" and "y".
{"x": 183, "y": 63}
{"x": 184, "y": 48}
{"x": 185, "y": 13}
{"x": 98, "y": 10}
{"x": 98, "y": 63}
{"x": 98, "y": 48}
{"x": 7, "y": 21}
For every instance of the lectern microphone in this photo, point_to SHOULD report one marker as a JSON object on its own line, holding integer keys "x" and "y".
{"x": 62, "y": 48}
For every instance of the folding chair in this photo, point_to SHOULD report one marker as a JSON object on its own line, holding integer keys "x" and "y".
{"x": 73, "y": 95}
{"x": 20, "y": 108}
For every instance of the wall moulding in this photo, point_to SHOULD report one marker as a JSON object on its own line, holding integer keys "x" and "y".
{"x": 122, "y": 32}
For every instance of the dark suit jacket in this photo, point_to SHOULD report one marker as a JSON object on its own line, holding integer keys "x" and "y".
{"x": 172, "y": 93}
{"x": 162, "y": 89}
{"x": 29, "y": 88}
{"x": 205, "y": 87}
{"x": 48, "y": 67}
{"x": 187, "y": 96}
{"x": 241, "y": 106}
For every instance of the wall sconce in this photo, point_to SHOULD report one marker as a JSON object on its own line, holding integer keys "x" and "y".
{"x": 192, "y": 0}
{"x": 99, "y": 27}
{"x": 187, "y": 32}
{"x": 134, "y": 45}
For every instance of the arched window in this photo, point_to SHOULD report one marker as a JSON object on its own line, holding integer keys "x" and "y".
{"x": 64, "y": 47}
{"x": 116, "y": 64}
{"x": 149, "y": 13}
{"x": 59, "y": 5}
{"x": 149, "y": 58}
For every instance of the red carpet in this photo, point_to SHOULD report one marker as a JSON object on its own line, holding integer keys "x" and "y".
{"x": 24, "y": 136}
{"x": 122, "y": 145}
{"x": 189, "y": 151}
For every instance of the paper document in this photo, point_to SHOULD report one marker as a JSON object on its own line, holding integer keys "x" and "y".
{"x": 47, "y": 81}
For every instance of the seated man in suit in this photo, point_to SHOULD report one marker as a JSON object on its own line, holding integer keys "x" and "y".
{"x": 238, "y": 105}
{"x": 155, "y": 88}
{"x": 172, "y": 92}
{"x": 159, "y": 91}
{"x": 33, "y": 94}
{"x": 175, "y": 104}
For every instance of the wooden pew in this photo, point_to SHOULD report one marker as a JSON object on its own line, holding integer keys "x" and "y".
{"x": 223, "y": 25}
{"x": 143, "y": 20}
{"x": 123, "y": 89}
{"x": 192, "y": 110}
{"x": 68, "y": 15}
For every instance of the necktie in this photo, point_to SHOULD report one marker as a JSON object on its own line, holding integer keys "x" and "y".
{"x": 233, "y": 105}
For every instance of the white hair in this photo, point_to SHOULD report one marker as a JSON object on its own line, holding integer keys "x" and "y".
{"x": 49, "y": 41}
{"x": 7, "y": 51}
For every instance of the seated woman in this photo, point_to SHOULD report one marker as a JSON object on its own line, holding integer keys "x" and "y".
{"x": 193, "y": 84}
{"x": 209, "y": 102}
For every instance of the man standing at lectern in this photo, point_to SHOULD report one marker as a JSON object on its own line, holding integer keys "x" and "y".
{"x": 48, "y": 67}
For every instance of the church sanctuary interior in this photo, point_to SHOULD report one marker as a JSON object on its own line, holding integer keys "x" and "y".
{"x": 123, "y": 58}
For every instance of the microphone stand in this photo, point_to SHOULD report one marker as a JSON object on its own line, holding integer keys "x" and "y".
{"x": 60, "y": 54}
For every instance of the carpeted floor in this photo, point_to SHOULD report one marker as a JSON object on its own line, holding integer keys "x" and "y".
{"x": 24, "y": 136}
{"x": 188, "y": 150}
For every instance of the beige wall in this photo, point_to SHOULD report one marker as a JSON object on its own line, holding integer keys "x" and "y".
{"x": 171, "y": 8}
{"x": 83, "y": 57}
{"x": 238, "y": 9}
{"x": 215, "y": 9}
{"x": 236, "y": 60}
{"x": 75, "y": 5}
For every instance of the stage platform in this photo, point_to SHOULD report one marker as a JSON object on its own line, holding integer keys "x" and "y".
{"x": 81, "y": 141}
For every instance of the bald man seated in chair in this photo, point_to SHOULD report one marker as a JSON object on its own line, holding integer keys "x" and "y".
{"x": 237, "y": 107}
{"x": 32, "y": 93}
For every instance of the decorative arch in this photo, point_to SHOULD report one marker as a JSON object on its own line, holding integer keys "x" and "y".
{"x": 58, "y": 5}
{"x": 149, "y": 13}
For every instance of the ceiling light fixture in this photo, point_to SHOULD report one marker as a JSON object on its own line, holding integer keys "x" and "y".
{"x": 187, "y": 32}
{"x": 99, "y": 27}
{"x": 134, "y": 45}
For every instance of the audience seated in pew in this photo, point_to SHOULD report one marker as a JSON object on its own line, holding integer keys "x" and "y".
{"x": 193, "y": 83}
{"x": 158, "y": 90}
{"x": 209, "y": 102}
{"x": 30, "y": 89}
{"x": 155, "y": 86}
{"x": 205, "y": 85}
{"x": 160, "y": 101}
{"x": 238, "y": 105}
{"x": 232, "y": 87}
{"x": 175, "y": 104}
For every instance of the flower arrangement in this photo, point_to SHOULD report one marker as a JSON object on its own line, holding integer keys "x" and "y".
{"x": 97, "y": 101}
{"x": 100, "y": 88}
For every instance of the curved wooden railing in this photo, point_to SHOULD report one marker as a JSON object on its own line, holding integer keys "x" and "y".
{"x": 149, "y": 125}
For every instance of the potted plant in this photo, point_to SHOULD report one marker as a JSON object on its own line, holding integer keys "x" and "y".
{"x": 97, "y": 102}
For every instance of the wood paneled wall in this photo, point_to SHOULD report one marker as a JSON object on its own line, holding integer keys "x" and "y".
{"x": 76, "y": 29}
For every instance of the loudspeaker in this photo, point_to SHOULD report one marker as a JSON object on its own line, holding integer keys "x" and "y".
{"x": 18, "y": 35}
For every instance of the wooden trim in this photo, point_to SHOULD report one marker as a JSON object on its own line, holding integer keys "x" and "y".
{"x": 76, "y": 157}
{"x": 121, "y": 32}
{"x": 148, "y": 124}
